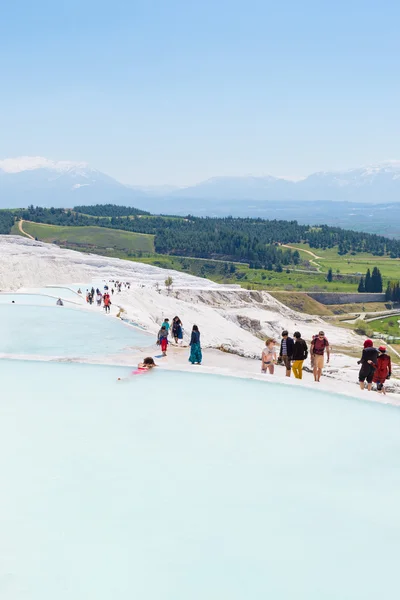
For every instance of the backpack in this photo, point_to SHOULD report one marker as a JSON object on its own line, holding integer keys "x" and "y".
{"x": 322, "y": 344}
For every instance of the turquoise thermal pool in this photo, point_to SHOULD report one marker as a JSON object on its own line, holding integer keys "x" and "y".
{"x": 59, "y": 331}
{"x": 180, "y": 486}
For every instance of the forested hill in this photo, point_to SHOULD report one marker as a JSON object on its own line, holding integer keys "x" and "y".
{"x": 109, "y": 210}
{"x": 228, "y": 238}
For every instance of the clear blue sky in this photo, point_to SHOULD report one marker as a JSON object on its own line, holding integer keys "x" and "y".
{"x": 177, "y": 91}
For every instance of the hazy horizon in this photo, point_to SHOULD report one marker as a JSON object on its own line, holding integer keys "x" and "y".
{"x": 176, "y": 93}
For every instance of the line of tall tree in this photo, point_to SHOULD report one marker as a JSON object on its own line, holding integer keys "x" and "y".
{"x": 371, "y": 283}
{"x": 393, "y": 291}
{"x": 109, "y": 210}
{"x": 6, "y": 221}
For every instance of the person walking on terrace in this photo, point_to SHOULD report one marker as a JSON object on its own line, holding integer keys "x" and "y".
{"x": 368, "y": 362}
{"x": 383, "y": 370}
{"x": 268, "y": 357}
{"x": 195, "y": 349}
{"x": 318, "y": 347}
{"x": 162, "y": 339}
{"x": 300, "y": 353}
{"x": 286, "y": 351}
{"x": 177, "y": 330}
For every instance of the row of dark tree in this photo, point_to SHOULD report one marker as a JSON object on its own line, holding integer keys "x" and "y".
{"x": 109, "y": 210}
{"x": 393, "y": 291}
{"x": 371, "y": 283}
{"x": 254, "y": 241}
{"x": 6, "y": 221}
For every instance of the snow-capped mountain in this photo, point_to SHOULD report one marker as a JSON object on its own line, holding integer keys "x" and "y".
{"x": 43, "y": 182}
{"x": 376, "y": 183}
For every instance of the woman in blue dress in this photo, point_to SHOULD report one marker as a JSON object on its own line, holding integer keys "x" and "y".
{"x": 195, "y": 348}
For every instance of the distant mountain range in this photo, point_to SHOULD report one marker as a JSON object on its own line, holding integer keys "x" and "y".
{"x": 40, "y": 181}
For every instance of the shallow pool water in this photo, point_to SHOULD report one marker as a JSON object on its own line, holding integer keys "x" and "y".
{"x": 175, "y": 486}
{"x": 65, "y": 332}
{"x": 47, "y": 298}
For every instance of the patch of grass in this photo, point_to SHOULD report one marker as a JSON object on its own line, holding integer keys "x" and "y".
{"x": 388, "y": 325}
{"x": 92, "y": 238}
{"x": 351, "y": 264}
{"x": 255, "y": 279}
{"x": 344, "y": 309}
{"x": 15, "y": 230}
{"x": 302, "y": 303}
{"x": 363, "y": 328}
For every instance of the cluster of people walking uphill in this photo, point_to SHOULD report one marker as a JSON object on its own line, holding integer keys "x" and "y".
{"x": 177, "y": 335}
{"x": 293, "y": 352}
{"x": 97, "y": 297}
{"x": 375, "y": 362}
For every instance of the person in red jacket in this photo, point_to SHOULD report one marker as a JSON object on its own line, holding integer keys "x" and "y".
{"x": 383, "y": 370}
{"x": 107, "y": 302}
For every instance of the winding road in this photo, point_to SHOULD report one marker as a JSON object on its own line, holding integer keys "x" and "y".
{"x": 24, "y": 232}
{"x": 307, "y": 252}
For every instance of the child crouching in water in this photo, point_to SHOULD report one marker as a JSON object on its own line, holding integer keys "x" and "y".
{"x": 147, "y": 364}
{"x": 268, "y": 357}
{"x": 142, "y": 367}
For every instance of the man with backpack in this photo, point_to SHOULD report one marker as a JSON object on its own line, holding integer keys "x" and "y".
{"x": 318, "y": 346}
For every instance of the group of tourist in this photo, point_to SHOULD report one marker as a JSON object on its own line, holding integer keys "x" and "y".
{"x": 177, "y": 331}
{"x": 375, "y": 362}
{"x": 293, "y": 352}
{"x": 100, "y": 298}
{"x": 376, "y": 366}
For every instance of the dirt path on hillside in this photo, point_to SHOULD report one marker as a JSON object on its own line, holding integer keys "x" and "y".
{"x": 24, "y": 232}
{"x": 301, "y": 250}
{"x": 318, "y": 266}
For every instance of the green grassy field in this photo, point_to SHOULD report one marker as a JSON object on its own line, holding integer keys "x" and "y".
{"x": 250, "y": 278}
{"x": 92, "y": 238}
{"x": 388, "y": 325}
{"x": 140, "y": 247}
{"x": 348, "y": 264}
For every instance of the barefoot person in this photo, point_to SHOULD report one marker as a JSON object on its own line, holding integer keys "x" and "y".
{"x": 177, "y": 331}
{"x": 368, "y": 362}
{"x": 383, "y": 370}
{"x": 318, "y": 347}
{"x": 268, "y": 357}
{"x": 286, "y": 351}
{"x": 300, "y": 353}
{"x": 195, "y": 349}
{"x": 163, "y": 340}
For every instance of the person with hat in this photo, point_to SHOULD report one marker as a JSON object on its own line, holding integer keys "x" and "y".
{"x": 383, "y": 370}
{"x": 318, "y": 346}
{"x": 368, "y": 362}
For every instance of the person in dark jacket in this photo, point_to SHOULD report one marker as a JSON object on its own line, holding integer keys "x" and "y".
{"x": 177, "y": 330}
{"x": 286, "y": 351}
{"x": 368, "y": 362}
{"x": 383, "y": 370}
{"x": 300, "y": 353}
{"x": 195, "y": 348}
